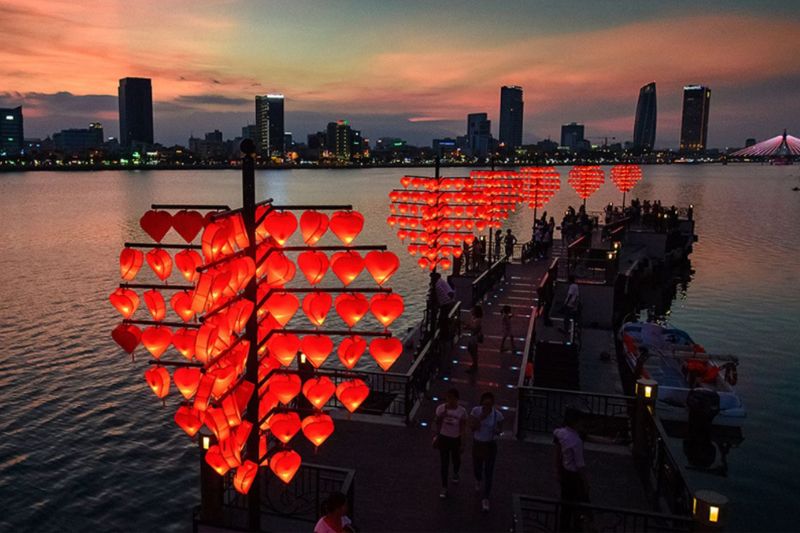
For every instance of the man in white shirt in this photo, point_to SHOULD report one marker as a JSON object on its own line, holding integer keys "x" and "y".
{"x": 570, "y": 467}
{"x": 572, "y": 302}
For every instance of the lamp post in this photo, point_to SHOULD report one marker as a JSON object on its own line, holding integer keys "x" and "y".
{"x": 709, "y": 510}
{"x": 646, "y": 394}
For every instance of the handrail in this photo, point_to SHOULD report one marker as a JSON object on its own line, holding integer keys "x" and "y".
{"x": 568, "y": 392}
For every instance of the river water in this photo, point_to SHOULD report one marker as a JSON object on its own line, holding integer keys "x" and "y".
{"x": 85, "y": 445}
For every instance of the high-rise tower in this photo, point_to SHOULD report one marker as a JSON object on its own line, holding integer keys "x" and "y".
{"x": 135, "y": 111}
{"x": 644, "y": 127}
{"x": 511, "y": 107}
{"x": 694, "y": 125}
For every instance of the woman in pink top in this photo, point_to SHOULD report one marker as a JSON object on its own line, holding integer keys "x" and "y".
{"x": 451, "y": 422}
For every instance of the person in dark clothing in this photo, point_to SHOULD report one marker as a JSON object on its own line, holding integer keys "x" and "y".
{"x": 510, "y": 240}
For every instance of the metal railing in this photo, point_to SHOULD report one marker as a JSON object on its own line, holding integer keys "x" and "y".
{"x": 483, "y": 283}
{"x": 535, "y": 514}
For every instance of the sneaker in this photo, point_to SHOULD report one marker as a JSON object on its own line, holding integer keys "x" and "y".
{"x": 456, "y": 479}
{"x": 443, "y": 494}
{"x": 485, "y": 505}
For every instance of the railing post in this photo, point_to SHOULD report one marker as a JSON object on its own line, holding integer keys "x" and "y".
{"x": 211, "y": 485}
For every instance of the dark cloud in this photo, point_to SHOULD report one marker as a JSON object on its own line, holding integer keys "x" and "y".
{"x": 211, "y": 99}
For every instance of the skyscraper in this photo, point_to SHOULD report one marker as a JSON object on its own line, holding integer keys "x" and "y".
{"x": 644, "y": 127}
{"x": 269, "y": 124}
{"x": 11, "y": 131}
{"x": 339, "y": 139}
{"x": 511, "y": 107}
{"x": 572, "y": 136}
{"x": 135, "y": 111}
{"x": 479, "y": 134}
{"x": 694, "y": 125}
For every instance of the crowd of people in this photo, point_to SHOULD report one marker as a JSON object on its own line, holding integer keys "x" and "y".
{"x": 576, "y": 224}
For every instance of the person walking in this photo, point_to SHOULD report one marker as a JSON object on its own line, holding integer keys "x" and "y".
{"x": 476, "y": 335}
{"x": 510, "y": 240}
{"x": 486, "y": 422}
{"x": 572, "y": 303}
{"x": 498, "y": 239}
{"x": 570, "y": 469}
{"x": 334, "y": 519}
{"x": 507, "y": 334}
{"x": 450, "y": 425}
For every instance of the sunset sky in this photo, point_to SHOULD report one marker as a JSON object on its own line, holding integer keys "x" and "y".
{"x": 412, "y": 69}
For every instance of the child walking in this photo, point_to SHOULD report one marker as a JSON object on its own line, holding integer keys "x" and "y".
{"x": 506, "y": 313}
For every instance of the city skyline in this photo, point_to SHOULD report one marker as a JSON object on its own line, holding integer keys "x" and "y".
{"x": 574, "y": 65}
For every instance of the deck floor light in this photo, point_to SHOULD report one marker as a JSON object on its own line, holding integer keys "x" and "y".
{"x": 709, "y": 508}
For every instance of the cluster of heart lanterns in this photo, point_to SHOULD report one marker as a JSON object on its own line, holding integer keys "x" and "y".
{"x": 625, "y": 177}
{"x": 213, "y": 313}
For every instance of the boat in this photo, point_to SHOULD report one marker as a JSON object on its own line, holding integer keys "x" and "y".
{"x": 669, "y": 356}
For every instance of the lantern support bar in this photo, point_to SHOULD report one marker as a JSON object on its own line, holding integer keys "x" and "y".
{"x": 160, "y": 245}
{"x": 158, "y": 362}
{"x": 224, "y": 352}
{"x": 235, "y": 255}
{"x": 156, "y": 286}
{"x": 337, "y": 332}
{"x": 335, "y": 248}
{"x": 161, "y": 323}
{"x": 320, "y": 207}
{"x": 228, "y": 212}
{"x": 211, "y": 207}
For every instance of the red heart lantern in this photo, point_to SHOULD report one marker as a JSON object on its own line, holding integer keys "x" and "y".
{"x": 266, "y": 403}
{"x": 317, "y": 428}
{"x": 223, "y": 379}
{"x": 316, "y": 306}
{"x": 127, "y": 336}
{"x": 181, "y": 302}
{"x": 284, "y": 426}
{"x": 155, "y": 304}
{"x": 347, "y": 266}
{"x": 161, "y": 262}
{"x": 280, "y": 270}
{"x": 188, "y": 419}
{"x": 203, "y": 394}
{"x": 156, "y": 339}
{"x": 156, "y": 224}
{"x": 381, "y": 265}
{"x": 230, "y": 406}
{"x": 215, "y": 461}
{"x": 314, "y": 265}
{"x": 188, "y": 224}
{"x": 350, "y": 350}
{"x": 243, "y": 393}
{"x": 318, "y": 391}
{"x": 284, "y": 386}
{"x": 125, "y": 301}
{"x": 317, "y": 348}
{"x": 346, "y": 225}
{"x": 280, "y": 225}
{"x": 385, "y": 351}
{"x": 282, "y": 306}
{"x": 352, "y": 393}
{"x": 187, "y": 379}
{"x": 216, "y": 241}
{"x": 184, "y": 341}
{"x": 130, "y": 261}
{"x": 351, "y": 307}
{"x": 285, "y": 464}
{"x": 216, "y": 421}
{"x": 244, "y": 477}
{"x": 284, "y": 347}
{"x": 313, "y": 226}
{"x": 158, "y": 379}
{"x": 188, "y": 262}
{"x": 386, "y": 307}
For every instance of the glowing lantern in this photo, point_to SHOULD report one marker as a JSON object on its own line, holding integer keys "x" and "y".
{"x": 187, "y": 380}
{"x": 285, "y": 464}
{"x": 381, "y": 265}
{"x": 351, "y": 307}
{"x": 156, "y": 339}
{"x": 241, "y": 433}
{"x": 284, "y": 426}
{"x": 317, "y": 428}
{"x": 266, "y": 403}
{"x": 156, "y": 224}
{"x": 280, "y": 270}
{"x": 316, "y": 306}
{"x": 205, "y": 339}
{"x": 244, "y": 477}
{"x": 130, "y": 261}
{"x": 385, "y": 351}
{"x": 386, "y": 307}
{"x": 155, "y": 304}
{"x": 625, "y": 177}
{"x": 284, "y": 386}
{"x": 127, "y": 336}
{"x": 215, "y": 461}
{"x": 184, "y": 341}
{"x": 202, "y": 291}
{"x": 181, "y": 302}
{"x": 284, "y": 347}
{"x": 125, "y": 301}
{"x": 215, "y": 242}
{"x": 318, "y": 391}
{"x": 188, "y": 224}
{"x": 352, "y": 393}
{"x": 224, "y": 377}
{"x": 280, "y": 225}
{"x": 586, "y": 180}
{"x": 230, "y": 406}
{"x": 188, "y": 261}
{"x": 160, "y": 262}
{"x": 317, "y": 348}
{"x": 314, "y": 265}
{"x": 347, "y": 266}
{"x": 282, "y": 306}
{"x": 231, "y": 451}
{"x": 540, "y": 185}
{"x": 188, "y": 419}
{"x": 350, "y": 350}
{"x": 313, "y": 226}
{"x": 217, "y": 422}
{"x": 158, "y": 379}
{"x": 238, "y": 231}
{"x": 203, "y": 394}
{"x": 346, "y": 225}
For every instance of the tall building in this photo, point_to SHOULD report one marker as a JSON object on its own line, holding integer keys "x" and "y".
{"x": 511, "y": 107}
{"x": 694, "y": 125}
{"x": 339, "y": 139}
{"x": 250, "y": 132}
{"x": 135, "y": 111}
{"x": 269, "y": 124}
{"x": 644, "y": 127}
{"x": 11, "y": 131}
{"x": 572, "y": 136}
{"x": 479, "y": 135}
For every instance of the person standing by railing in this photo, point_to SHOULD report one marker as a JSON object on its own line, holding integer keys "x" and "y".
{"x": 450, "y": 425}
{"x": 486, "y": 422}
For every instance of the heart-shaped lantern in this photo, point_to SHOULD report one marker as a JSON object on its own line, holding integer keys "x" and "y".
{"x": 352, "y": 307}
{"x": 158, "y": 379}
{"x": 188, "y": 224}
{"x": 203, "y": 394}
{"x": 156, "y": 224}
{"x": 313, "y": 226}
{"x": 318, "y": 391}
{"x": 239, "y": 313}
{"x": 586, "y": 179}
{"x": 316, "y": 348}
{"x": 187, "y": 379}
{"x": 352, "y": 393}
{"x": 243, "y": 393}
{"x": 317, "y": 428}
{"x": 216, "y": 241}
{"x": 279, "y": 269}
{"x": 284, "y": 426}
{"x": 215, "y": 460}
{"x": 223, "y": 379}
{"x": 350, "y": 350}
{"x": 280, "y": 225}
{"x": 205, "y": 340}
{"x": 189, "y": 419}
{"x": 285, "y": 464}
{"x": 130, "y": 261}
{"x": 184, "y": 341}
{"x": 266, "y": 403}
{"x": 188, "y": 262}
{"x": 244, "y": 477}
{"x": 216, "y": 421}
{"x": 155, "y": 304}
{"x": 316, "y": 306}
{"x": 347, "y": 266}
{"x": 385, "y": 351}
{"x": 125, "y": 301}
{"x": 230, "y": 406}
{"x": 284, "y": 347}
{"x": 386, "y": 307}
{"x": 284, "y": 386}
{"x": 181, "y": 302}
{"x": 381, "y": 265}
{"x": 282, "y": 306}
{"x": 160, "y": 262}
{"x": 156, "y": 339}
{"x": 346, "y": 225}
{"x": 127, "y": 336}
{"x": 314, "y": 265}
